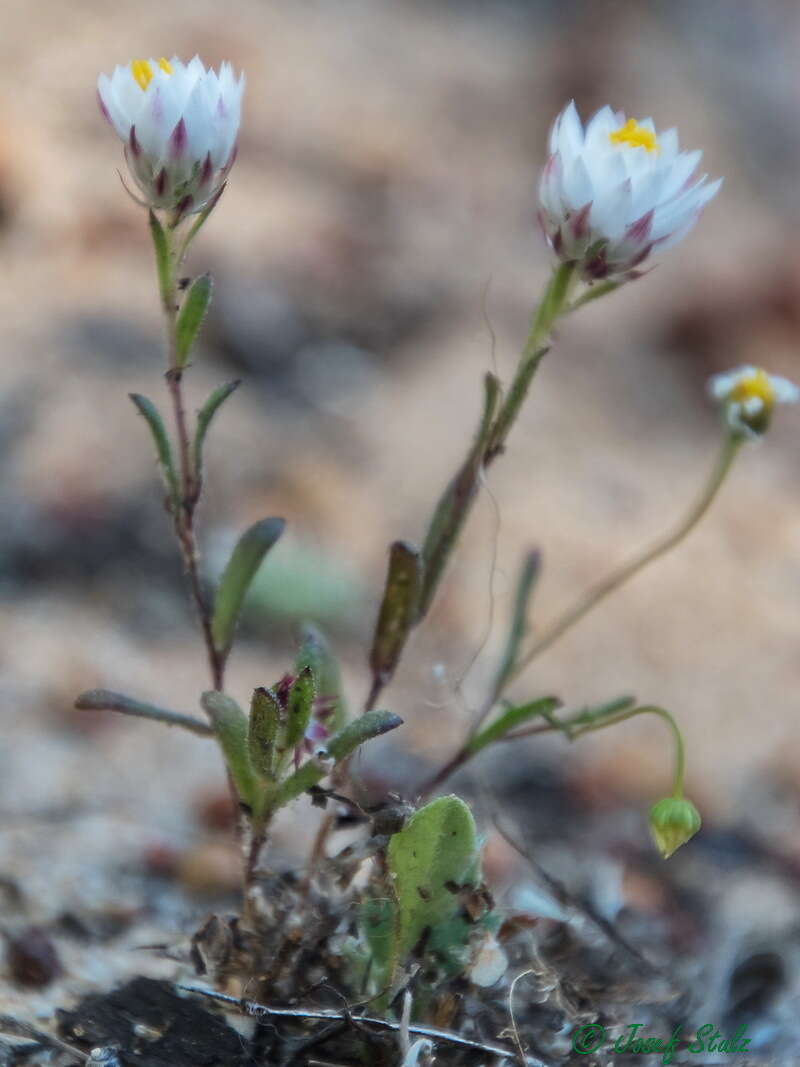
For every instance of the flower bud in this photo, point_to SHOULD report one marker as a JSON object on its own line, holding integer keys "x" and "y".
{"x": 673, "y": 822}
{"x": 179, "y": 123}
{"x": 748, "y": 396}
{"x": 616, "y": 191}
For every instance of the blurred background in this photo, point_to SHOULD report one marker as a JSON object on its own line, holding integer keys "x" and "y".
{"x": 380, "y": 216}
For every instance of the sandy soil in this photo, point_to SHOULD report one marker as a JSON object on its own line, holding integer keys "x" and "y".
{"x": 382, "y": 206}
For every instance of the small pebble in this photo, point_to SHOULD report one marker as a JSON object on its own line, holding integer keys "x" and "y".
{"x": 32, "y": 958}
{"x": 104, "y": 1057}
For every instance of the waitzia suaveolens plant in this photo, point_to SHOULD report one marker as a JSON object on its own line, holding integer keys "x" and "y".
{"x": 610, "y": 196}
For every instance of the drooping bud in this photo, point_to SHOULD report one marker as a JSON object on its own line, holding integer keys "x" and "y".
{"x": 673, "y": 822}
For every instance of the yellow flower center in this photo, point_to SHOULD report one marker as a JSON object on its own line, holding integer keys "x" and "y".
{"x": 143, "y": 71}
{"x": 635, "y": 135}
{"x": 756, "y": 385}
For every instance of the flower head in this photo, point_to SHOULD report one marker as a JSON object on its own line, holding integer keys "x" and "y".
{"x": 673, "y": 822}
{"x": 748, "y": 396}
{"x": 613, "y": 192}
{"x": 179, "y": 124}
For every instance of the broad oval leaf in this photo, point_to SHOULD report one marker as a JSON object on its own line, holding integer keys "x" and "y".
{"x": 430, "y": 859}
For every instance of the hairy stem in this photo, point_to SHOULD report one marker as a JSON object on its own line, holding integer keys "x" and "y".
{"x": 183, "y": 518}
{"x": 552, "y": 305}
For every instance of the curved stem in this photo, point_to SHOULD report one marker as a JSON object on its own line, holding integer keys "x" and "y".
{"x": 630, "y": 569}
{"x": 647, "y": 709}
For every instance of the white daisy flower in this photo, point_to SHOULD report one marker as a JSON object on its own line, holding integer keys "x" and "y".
{"x": 615, "y": 191}
{"x": 179, "y": 123}
{"x": 748, "y": 395}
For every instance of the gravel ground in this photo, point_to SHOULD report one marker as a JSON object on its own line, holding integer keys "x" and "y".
{"x": 381, "y": 209}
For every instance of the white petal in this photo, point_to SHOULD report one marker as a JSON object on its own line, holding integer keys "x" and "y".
{"x": 598, "y": 128}
{"x": 115, "y": 113}
{"x": 578, "y": 187}
{"x": 786, "y": 392}
{"x": 569, "y": 133}
{"x": 611, "y": 211}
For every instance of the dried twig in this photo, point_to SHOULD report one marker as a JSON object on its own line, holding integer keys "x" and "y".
{"x": 514, "y": 1029}
{"x": 248, "y": 1007}
{"x": 563, "y": 896}
{"x": 18, "y": 1028}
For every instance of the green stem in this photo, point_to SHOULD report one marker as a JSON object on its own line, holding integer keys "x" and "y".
{"x": 647, "y": 709}
{"x": 628, "y": 570}
{"x": 189, "y": 484}
{"x": 553, "y": 304}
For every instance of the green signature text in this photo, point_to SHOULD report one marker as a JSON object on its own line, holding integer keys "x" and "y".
{"x": 636, "y": 1042}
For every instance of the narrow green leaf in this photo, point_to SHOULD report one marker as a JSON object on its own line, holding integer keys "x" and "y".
{"x": 350, "y": 737}
{"x": 230, "y": 725}
{"x": 435, "y": 853}
{"x": 299, "y": 705}
{"x": 526, "y": 584}
{"x": 190, "y": 319}
{"x": 510, "y": 719}
{"x": 309, "y": 774}
{"x": 149, "y": 413}
{"x": 163, "y": 259}
{"x": 593, "y": 293}
{"x": 512, "y": 405}
{"x": 105, "y": 700}
{"x": 338, "y": 747}
{"x": 597, "y": 713}
{"x": 262, "y": 733}
{"x": 245, "y": 560}
{"x": 315, "y": 652}
{"x": 199, "y": 222}
{"x": 204, "y": 417}
{"x": 397, "y": 611}
{"x": 455, "y": 504}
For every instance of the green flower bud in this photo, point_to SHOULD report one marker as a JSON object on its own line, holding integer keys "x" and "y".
{"x": 673, "y": 822}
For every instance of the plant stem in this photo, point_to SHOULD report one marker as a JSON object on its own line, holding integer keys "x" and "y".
{"x": 183, "y": 518}
{"x": 552, "y": 305}
{"x": 574, "y": 728}
{"x": 647, "y": 709}
{"x": 599, "y": 592}
{"x": 630, "y": 569}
